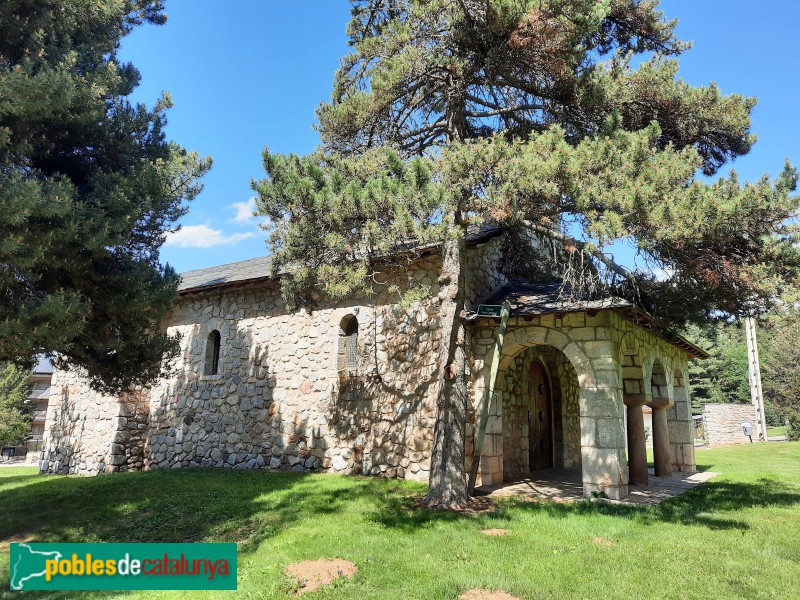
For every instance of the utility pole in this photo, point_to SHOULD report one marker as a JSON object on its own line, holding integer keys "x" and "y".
{"x": 754, "y": 375}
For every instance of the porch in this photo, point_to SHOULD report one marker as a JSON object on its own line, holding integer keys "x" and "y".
{"x": 567, "y": 403}
{"x": 566, "y": 485}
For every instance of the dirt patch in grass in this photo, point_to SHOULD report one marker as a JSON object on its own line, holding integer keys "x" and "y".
{"x": 15, "y": 539}
{"x": 476, "y": 505}
{"x": 311, "y": 574}
{"x": 494, "y": 532}
{"x": 481, "y": 594}
{"x": 601, "y": 541}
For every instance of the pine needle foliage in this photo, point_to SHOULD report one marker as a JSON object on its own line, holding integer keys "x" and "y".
{"x": 563, "y": 120}
{"x": 89, "y": 185}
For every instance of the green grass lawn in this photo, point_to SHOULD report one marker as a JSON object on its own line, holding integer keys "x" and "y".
{"x": 773, "y": 431}
{"x": 737, "y": 536}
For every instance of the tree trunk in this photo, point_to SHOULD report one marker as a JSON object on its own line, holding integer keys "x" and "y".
{"x": 448, "y": 481}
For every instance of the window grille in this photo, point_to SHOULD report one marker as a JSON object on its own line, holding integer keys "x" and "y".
{"x": 212, "y": 354}
{"x": 348, "y": 345}
{"x": 352, "y": 344}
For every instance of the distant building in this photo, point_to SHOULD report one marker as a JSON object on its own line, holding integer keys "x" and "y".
{"x": 39, "y": 396}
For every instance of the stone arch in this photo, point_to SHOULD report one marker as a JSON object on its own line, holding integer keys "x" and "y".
{"x": 680, "y": 423}
{"x": 211, "y": 363}
{"x": 518, "y": 339}
{"x": 347, "y": 349}
{"x": 632, "y": 357}
{"x": 660, "y": 401}
{"x": 660, "y": 390}
{"x": 659, "y": 366}
{"x": 515, "y": 426}
{"x": 599, "y": 390}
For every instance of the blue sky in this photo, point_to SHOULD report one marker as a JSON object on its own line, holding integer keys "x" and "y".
{"x": 251, "y": 74}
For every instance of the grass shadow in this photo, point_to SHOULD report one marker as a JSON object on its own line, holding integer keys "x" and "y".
{"x": 708, "y": 505}
{"x": 186, "y": 505}
{"x": 15, "y": 479}
{"x": 402, "y": 514}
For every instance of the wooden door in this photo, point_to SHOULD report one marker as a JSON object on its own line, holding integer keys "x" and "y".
{"x": 540, "y": 436}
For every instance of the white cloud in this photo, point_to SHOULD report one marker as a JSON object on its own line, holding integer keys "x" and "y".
{"x": 663, "y": 274}
{"x": 203, "y": 236}
{"x": 244, "y": 211}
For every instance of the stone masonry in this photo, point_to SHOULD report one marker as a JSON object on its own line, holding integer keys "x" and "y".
{"x": 280, "y": 398}
{"x": 722, "y": 423}
{"x": 595, "y": 344}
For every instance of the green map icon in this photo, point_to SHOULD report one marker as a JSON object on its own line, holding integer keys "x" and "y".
{"x": 122, "y": 566}
{"x": 28, "y": 564}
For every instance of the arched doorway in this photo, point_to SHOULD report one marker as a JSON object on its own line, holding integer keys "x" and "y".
{"x": 587, "y": 411}
{"x": 539, "y": 414}
{"x": 540, "y": 423}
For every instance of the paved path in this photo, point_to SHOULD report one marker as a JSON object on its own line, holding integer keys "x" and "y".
{"x": 15, "y": 462}
{"x": 565, "y": 485}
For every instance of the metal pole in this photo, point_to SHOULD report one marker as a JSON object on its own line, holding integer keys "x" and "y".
{"x": 488, "y": 395}
{"x": 754, "y": 375}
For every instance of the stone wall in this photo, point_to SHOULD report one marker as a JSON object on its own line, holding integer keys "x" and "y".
{"x": 88, "y": 433}
{"x": 278, "y": 399}
{"x": 722, "y": 423}
{"x": 681, "y": 424}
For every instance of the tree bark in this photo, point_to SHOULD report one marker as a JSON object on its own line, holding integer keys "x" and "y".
{"x": 448, "y": 480}
{"x": 447, "y": 486}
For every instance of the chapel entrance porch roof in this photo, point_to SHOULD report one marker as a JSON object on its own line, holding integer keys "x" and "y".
{"x": 532, "y": 299}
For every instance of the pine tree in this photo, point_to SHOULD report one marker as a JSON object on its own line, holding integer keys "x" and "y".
{"x": 88, "y": 187}
{"x": 15, "y": 411}
{"x": 780, "y": 362}
{"x": 527, "y": 113}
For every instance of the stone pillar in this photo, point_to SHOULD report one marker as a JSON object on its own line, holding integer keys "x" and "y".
{"x": 637, "y": 451}
{"x": 602, "y": 422}
{"x": 490, "y": 471}
{"x": 634, "y": 399}
{"x": 681, "y": 427}
{"x": 661, "y": 450}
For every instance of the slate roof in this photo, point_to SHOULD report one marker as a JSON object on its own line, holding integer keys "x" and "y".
{"x": 260, "y": 268}
{"x": 245, "y": 270}
{"x": 542, "y": 298}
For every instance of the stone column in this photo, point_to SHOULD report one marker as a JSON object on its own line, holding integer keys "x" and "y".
{"x": 681, "y": 428}
{"x": 602, "y": 422}
{"x": 637, "y": 451}
{"x": 661, "y": 450}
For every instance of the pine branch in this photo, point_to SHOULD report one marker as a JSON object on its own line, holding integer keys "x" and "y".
{"x": 585, "y": 247}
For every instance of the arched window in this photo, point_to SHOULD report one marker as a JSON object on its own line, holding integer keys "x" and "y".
{"x": 348, "y": 344}
{"x": 212, "y": 354}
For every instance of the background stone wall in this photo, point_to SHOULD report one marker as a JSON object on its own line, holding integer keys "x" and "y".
{"x": 722, "y": 423}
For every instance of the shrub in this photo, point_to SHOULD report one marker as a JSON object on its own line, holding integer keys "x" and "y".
{"x": 793, "y": 431}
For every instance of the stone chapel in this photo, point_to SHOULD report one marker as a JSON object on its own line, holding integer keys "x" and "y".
{"x": 350, "y": 387}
